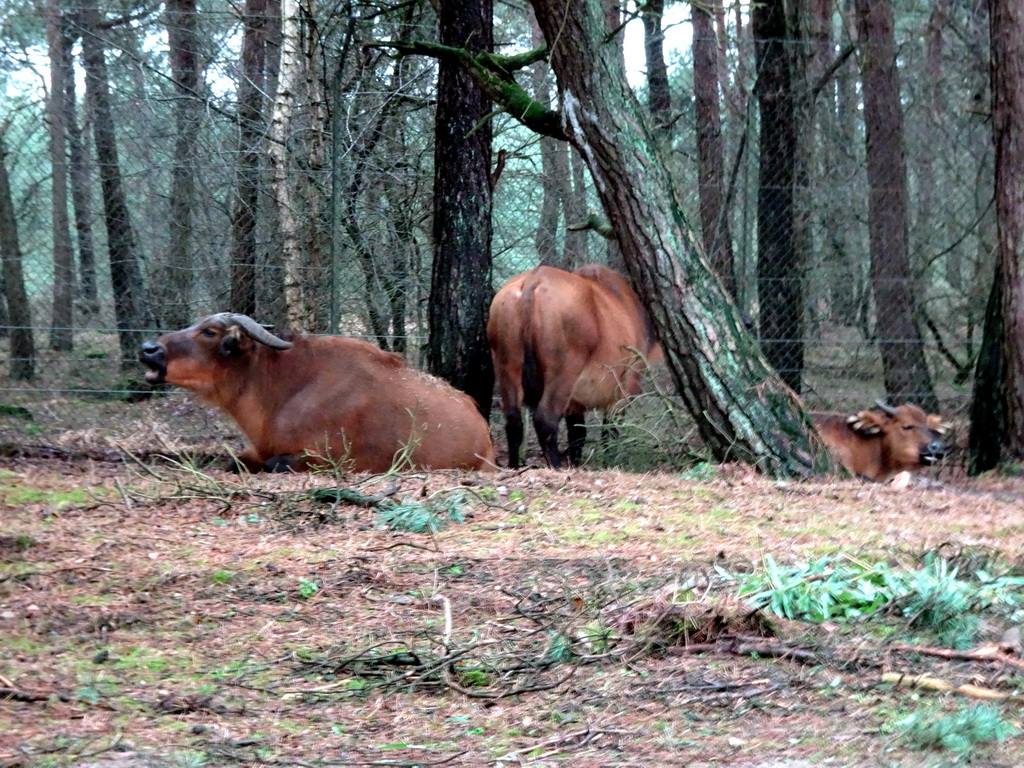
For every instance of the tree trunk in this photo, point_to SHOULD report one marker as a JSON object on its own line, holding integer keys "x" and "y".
{"x": 460, "y": 287}
{"x": 298, "y": 211}
{"x": 714, "y": 219}
{"x": 577, "y": 242}
{"x": 552, "y": 187}
{"x": 904, "y": 366}
{"x": 847, "y": 287}
{"x": 252, "y": 80}
{"x": 999, "y": 389}
{"x": 780, "y": 263}
{"x": 176, "y": 279}
{"x": 19, "y": 316}
{"x": 79, "y": 176}
{"x": 743, "y": 411}
{"x": 62, "y": 316}
{"x": 125, "y": 270}
{"x": 659, "y": 97}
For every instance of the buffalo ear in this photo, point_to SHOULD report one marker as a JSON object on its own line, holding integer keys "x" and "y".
{"x": 234, "y": 343}
{"x": 866, "y": 423}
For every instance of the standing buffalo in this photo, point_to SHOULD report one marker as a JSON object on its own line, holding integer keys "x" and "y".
{"x": 877, "y": 444}
{"x": 310, "y": 399}
{"x": 564, "y": 343}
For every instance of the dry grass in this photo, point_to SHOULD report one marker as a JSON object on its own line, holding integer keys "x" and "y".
{"x": 152, "y": 615}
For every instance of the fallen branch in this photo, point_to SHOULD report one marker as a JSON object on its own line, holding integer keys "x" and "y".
{"x": 988, "y": 653}
{"x": 927, "y": 682}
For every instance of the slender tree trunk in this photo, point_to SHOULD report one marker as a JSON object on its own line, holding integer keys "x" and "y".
{"x": 659, "y": 97}
{"x": 285, "y": 173}
{"x": 743, "y": 411}
{"x": 847, "y": 289}
{"x": 79, "y": 176}
{"x": 903, "y": 362}
{"x": 999, "y": 390}
{"x": 125, "y": 269}
{"x": 460, "y": 287}
{"x": 546, "y": 238}
{"x": 19, "y": 316}
{"x": 714, "y": 219}
{"x": 780, "y": 264}
{"x": 62, "y": 316}
{"x": 252, "y": 81}
{"x": 577, "y": 242}
{"x": 927, "y": 224}
{"x": 176, "y": 280}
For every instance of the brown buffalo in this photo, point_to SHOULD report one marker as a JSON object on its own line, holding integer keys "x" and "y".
{"x": 564, "y": 343}
{"x": 882, "y": 442}
{"x": 310, "y": 398}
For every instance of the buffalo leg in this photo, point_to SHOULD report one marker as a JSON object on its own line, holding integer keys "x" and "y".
{"x": 514, "y": 435}
{"x": 576, "y": 426}
{"x": 546, "y": 425}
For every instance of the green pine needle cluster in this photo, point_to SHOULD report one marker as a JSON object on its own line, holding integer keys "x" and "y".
{"x": 934, "y": 597}
{"x": 959, "y": 732}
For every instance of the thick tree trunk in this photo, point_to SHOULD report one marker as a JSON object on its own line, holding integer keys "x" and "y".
{"x": 176, "y": 279}
{"x": 62, "y": 315}
{"x": 125, "y": 268}
{"x": 714, "y": 219}
{"x": 460, "y": 287}
{"x": 999, "y": 389}
{"x": 743, "y": 410}
{"x": 252, "y": 81}
{"x": 780, "y": 265}
{"x": 899, "y": 337}
{"x": 79, "y": 176}
{"x": 19, "y": 316}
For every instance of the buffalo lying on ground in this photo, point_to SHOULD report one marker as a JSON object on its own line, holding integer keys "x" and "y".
{"x": 564, "y": 343}
{"x": 880, "y": 443}
{"x": 306, "y": 400}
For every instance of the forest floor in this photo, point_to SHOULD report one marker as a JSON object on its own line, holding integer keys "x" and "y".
{"x": 156, "y": 615}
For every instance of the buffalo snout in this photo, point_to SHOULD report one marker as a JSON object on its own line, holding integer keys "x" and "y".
{"x": 152, "y": 355}
{"x": 933, "y": 452}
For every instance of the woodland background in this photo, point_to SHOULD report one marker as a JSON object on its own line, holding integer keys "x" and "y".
{"x": 164, "y": 161}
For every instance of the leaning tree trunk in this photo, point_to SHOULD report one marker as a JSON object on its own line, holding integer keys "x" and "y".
{"x": 251, "y": 82}
{"x": 460, "y": 286}
{"x": 123, "y": 249}
{"x": 998, "y": 408}
{"x": 176, "y": 279}
{"x": 780, "y": 266}
{"x": 743, "y": 410}
{"x": 714, "y": 219}
{"x": 62, "y": 316}
{"x": 22, "y": 347}
{"x": 899, "y": 337}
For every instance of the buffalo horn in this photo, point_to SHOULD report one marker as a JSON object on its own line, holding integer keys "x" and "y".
{"x": 885, "y": 408}
{"x": 254, "y": 329}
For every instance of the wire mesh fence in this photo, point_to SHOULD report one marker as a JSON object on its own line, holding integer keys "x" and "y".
{"x": 350, "y": 192}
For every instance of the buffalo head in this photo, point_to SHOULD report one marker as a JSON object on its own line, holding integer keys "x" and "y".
{"x": 189, "y": 356}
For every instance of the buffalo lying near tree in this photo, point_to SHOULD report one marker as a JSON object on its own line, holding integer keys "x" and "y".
{"x": 305, "y": 400}
{"x": 564, "y": 343}
{"x": 880, "y": 443}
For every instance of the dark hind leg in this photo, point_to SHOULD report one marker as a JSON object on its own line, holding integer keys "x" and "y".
{"x": 576, "y": 426}
{"x": 514, "y": 434}
{"x": 546, "y": 425}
